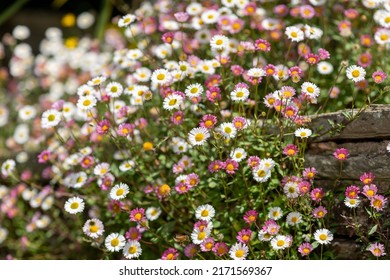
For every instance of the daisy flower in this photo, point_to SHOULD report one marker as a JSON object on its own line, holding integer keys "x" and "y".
{"x": 261, "y": 173}
{"x": 294, "y": 218}
{"x": 74, "y": 205}
{"x": 352, "y": 202}
{"x": 305, "y": 249}
{"x": 303, "y": 132}
{"x": 319, "y": 212}
{"x": 352, "y": 191}
{"x": 210, "y": 16}
{"x": 291, "y": 189}
{"x": 93, "y": 228}
{"x": 290, "y": 150}
{"x": 170, "y": 254}
{"x": 379, "y": 76}
{"x": 194, "y": 90}
{"x": 244, "y": 236}
{"x": 97, "y": 81}
{"x": 198, "y": 236}
{"x": 382, "y": 36}
{"x": 294, "y": 33}
{"x": 250, "y": 217}
{"x": 369, "y": 191}
{"x": 126, "y": 20}
{"x": 220, "y": 249}
{"x": 86, "y": 103}
{"x": 8, "y": 167}
{"x": 377, "y": 249}
{"x": 378, "y": 202}
{"x": 3, "y": 234}
{"x": 256, "y": 72}
{"x": 275, "y": 213}
{"x": 219, "y": 42}
{"x": 161, "y": 77}
{"x": 239, "y": 94}
{"x": 207, "y": 244}
{"x": 114, "y": 89}
{"x": 341, "y": 154}
{"x": 264, "y": 235}
{"x": 238, "y": 251}
{"x": 323, "y": 236}
{"x": 152, "y": 213}
{"x": 115, "y": 242}
{"x": 205, "y": 212}
{"x": 50, "y": 118}
{"x": 230, "y": 166}
{"x": 132, "y": 250}
{"x": 119, "y": 191}
{"x": 101, "y": 169}
{"x": 198, "y": 136}
{"x": 279, "y": 242}
{"x": 137, "y": 215}
{"x": 172, "y": 101}
{"x": 310, "y": 90}
{"x": 228, "y": 130}
{"x": 126, "y": 165}
{"x": 356, "y": 73}
{"x": 27, "y": 113}
{"x": 238, "y": 154}
{"x": 190, "y": 250}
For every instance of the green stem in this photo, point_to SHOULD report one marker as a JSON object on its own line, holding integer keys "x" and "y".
{"x": 11, "y": 10}
{"x": 103, "y": 19}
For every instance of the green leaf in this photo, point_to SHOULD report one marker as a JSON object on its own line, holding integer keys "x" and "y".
{"x": 373, "y": 229}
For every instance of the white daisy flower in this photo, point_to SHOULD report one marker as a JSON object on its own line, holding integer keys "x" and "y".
{"x": 126, "y": 20}
{"x": 132, "y": 249}
{"x": 239, "y": 251}
{"x": 21, "y": 134}
{"x": 313, "y": 32}
{"x": 184, "y": 67}
{"x": 172, "y": 101}
{"x": 294, "y": 33}
{"x": 294, "y": 218}
{"x": 97, "y": 81}
{"x": 352, "y": 202}
{"x": 239, "y": 94}
{"x": 303, "y": 132}
{"x": 152, "y": 213}
{"x": 197, "y": 235}
{"x": 74, "y": 205}
{"x": 161, "y": 77}
{"x": 382, "y": 36}
{"x": 142, "y": 74}
{"x": 219, "y": 42}
{"x": 78, "y": 179}
{"x": 27, "y": 113}
{"x": 43, "y": 221}
{"x": 8, "y": 167}
{"x": 275, "y": 213}
{"x": 50, "y": 118}
{"x": 205, "y": 212}
{"x": 238, "y": 154}
{"x": 264, "y": 236}
{"x": 194, "y": 90}
{"x": 291, "y": 190}
{"x": 114, "y": 242}
{"x": 356, "y": 73}
{"x": 279, "y": 242}
{"x": 324, "y": 68}
{"x": 86, "y": 103}
{"x": 323, "y": 236}
{"x": 261, "y": 173}
{"x": 47, "y": 203}
{"x": 198, "y": 136}
{"x": 134, "y": 54}
{"x": 119, "y": 191}
{"x": 210, "y": 16}
{"x": 228, "y": 130}
{"x": 3, "y": 234}
{"x": 68, "y": 110}
{"x": 126, "y": 165}
{"x": 93, "y": 228}
{"x": 114, "y": 89}
{"x": 256, "y": 72}
{"x": 101, "y": 169}
{"x": 85, "y": 90}
{"x": 194, "y": 9}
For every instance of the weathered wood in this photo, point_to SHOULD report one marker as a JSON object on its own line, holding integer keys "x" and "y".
{"x": 373, "y": 123}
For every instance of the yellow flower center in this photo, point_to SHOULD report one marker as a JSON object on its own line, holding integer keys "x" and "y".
{"x": 132, "y": 250}
{"x": 170, "y": 256}
{"x": 303, "y": 134}
{"x": 138, "y": 216}
{"x": 119, "y": 192}
{"x": 148, "y": 146}
{"x": 230, "y": 167}
{"x": 164, "y": 189}
{"x": 172, "y": 102}
{"x": 355, "y": 73}
{"x": 306, "y": 250}
{"x": 74, "y": 205}
{"x": 294, "y": 219}
{"x": 370, "y": 193}
{"x": 294, "y": 34}
{"x": 115, "y": 242}
{"x": 280, "y": 243}
{"x": 160, "y": 77}
{"x": 228, "y": 130}
{"x": 290, "y": 152}
{"x": 377, "y": 203}
{"x": 209, "y": 245}
{"x": 204, "y": 213}
{"x": 323, "y": 236}
{"x": 310, "y": 89}
{"x": 219, "y": 42}
{"x": 239, "y": 94}
{"x": 245, "y": 237}
{"x": 384, "y": 37}
{"x": 199, "y": 137}
{"x": 51, "y": 117}
{"x": 261, "y": 173}
{"x": 93, "y": 228}
{"x": 201, "y": 235}
{"x": 240, "y": 253}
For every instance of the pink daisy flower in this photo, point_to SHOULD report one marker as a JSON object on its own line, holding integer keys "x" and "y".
{"x": 137, "y": 215}
{"x": 207, "y": 244}
{"x": 370, "y": 190}
{"x": 133, "y": 234}
{"x": 352, "y": 192}
{"x": 103, "y": 127}
{"x": 216, "y": 165}
{"x": 208, "y": 121}
{"x": 170, "y": 254}
{"x": 378, "y": 202}
{"x": 254, "y": 161}
{"x": 367, "y": 178}
{"x": 244, "y": 236}
{"x": 305, "y": 249}
{"x": 220, "y": 249}
{"x": 319, "y": 212}
{"x": 379, "y": 77}
{"x": 341, "y": 154}
{"x": 231, "y": 166}
{"x": 377, "y": 249}
{"x": 250, "y": 217}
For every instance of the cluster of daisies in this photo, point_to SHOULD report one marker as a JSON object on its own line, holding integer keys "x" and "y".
{"x": 193, "y": 110}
